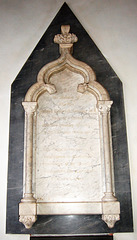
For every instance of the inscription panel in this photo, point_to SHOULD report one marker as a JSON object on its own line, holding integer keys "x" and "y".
{"x": 68, "y": 165}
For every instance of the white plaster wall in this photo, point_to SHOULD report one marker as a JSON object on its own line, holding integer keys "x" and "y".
{"x": 110, "y": 23}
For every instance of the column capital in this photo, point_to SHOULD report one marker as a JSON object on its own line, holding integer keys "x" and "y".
{"x": 104, "y": 106}
{"x": 29, "y": 107}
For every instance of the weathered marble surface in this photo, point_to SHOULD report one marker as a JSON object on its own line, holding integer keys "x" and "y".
{"x": 68, "y": 165}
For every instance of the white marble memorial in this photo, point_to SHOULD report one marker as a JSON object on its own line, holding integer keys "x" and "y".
{"x": 68, "y": 160}
{"x": 68, "y": 163}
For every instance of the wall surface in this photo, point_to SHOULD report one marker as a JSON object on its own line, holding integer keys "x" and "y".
{"x": 111, "y": 24}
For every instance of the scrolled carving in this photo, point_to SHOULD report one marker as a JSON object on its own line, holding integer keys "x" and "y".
{"x": 65, "y": 37}
{"x": 110, "y": 219}
{"x": 28, "y": 221}
{"x": 50, "y": 88}
{"x": 82, "y": 87}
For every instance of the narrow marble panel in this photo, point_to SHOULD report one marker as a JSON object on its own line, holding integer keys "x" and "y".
{"x": 68, "y": 165}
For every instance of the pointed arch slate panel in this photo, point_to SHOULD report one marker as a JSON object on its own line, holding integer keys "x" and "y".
{"x": 46, "y": 51}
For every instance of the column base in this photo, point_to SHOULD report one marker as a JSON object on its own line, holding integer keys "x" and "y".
{"x": 28, "y": 198}
{"x": 109, "y": 197}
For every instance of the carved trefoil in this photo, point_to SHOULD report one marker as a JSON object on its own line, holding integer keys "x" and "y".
{"x": 68, "y": 161}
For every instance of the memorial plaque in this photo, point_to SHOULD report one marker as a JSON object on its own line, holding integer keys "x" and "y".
{"x": 68, "y": 147}
{"x": 72, "y": 149}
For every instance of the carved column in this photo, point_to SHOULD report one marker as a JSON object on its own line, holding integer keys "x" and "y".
{"x": 27, "y": 207}
{"x": 110, "y": 205}
{"x": 104, "y": 109}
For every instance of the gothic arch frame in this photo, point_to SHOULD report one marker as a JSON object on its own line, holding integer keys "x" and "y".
{"x": 109, "y": 206}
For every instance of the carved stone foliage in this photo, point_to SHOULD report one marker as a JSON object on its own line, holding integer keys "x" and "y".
{"x": 65, "y": 37}
{"x": 28, "y": 220}
{"x": 61, "y": 106}
{"x": 110, "y": 219}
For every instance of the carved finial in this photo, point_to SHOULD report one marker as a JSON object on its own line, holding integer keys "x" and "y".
{"x": 65, "y": 29}
{"x": 65, "y": 37}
